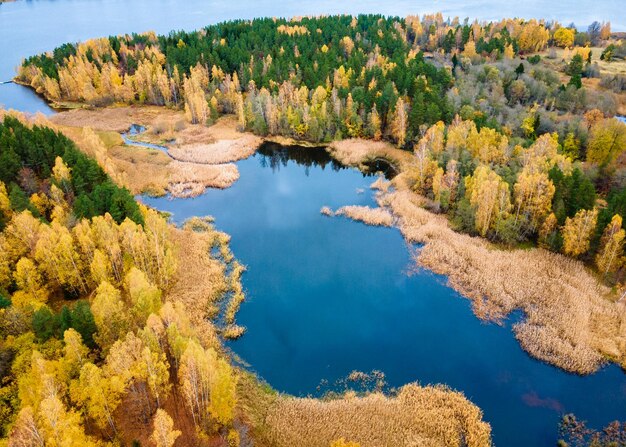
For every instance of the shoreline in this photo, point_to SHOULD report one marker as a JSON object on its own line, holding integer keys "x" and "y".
{"x": 469, "y": 263}
{"x": 273, "y": 418}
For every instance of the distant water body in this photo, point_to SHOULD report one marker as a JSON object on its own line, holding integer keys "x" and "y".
{"x": 31, "y": 27}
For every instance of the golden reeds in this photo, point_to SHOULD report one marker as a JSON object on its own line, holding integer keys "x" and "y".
{"x": 570, "y": 320}
{"x": 428, "y": 416}
{"x": 365, "y": 214}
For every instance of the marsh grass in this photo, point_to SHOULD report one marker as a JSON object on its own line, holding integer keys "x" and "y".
{"x": 571, "y": 319}
{"x": 429, "y": 416}
{"x": 371, "y": 216}
{"x": 144, "y": 170}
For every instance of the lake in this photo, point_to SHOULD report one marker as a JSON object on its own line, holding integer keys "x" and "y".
{"x": 326, "y": 296}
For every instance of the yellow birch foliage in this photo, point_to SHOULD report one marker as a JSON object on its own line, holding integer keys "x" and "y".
{"x": 487, "y": 145}
{"x": 98, "y": 395}
{"x": 196, "y": 106}
{"x": 208, "y": 384}
{"x": 577, "y": 232}
{"x": 163, "y": 434}
{"x": 145, "y": 297}
{"x": 489, "y": 194}
{"x": 564, "y": 37}
{"x": 109, "y": 313}
{"x": 533, "y": 196}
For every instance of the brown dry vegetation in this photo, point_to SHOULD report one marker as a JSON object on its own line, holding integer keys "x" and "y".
{"x": 430, "y": 416}
{"x": 145, "y": 170}
{"x": 220, "y": 143}
{"x": 571, "y": 319}
{"x": 356, "y": 152}
{"x": 365, "y": 214}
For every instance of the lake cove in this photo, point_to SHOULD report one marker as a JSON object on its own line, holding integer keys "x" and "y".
{"x": 326, "y": 296}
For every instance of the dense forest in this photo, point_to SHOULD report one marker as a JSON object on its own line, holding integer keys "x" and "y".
{"x": 84, "y": 327}
{"x": 512, "y": 147}
{"x": 511, "y": 133}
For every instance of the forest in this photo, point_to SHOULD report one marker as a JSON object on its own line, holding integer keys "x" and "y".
{"x": 83, "y": 271}
{"x": 513, "y": 144}
{"x": 506, "y": 128}
{"x": 110, "y": 324}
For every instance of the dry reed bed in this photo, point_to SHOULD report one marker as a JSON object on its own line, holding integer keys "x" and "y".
{"x": 217, "y": 144}
{"x": 570, "y": 320}
{"x": 200, "y": 280}
{"x": 116, "y": 119}
{"x": 371, "y": 216}
{"x": 356, "y": 151}
{"x": 222, "y": 151}
{"x": 145, "y": 170}
{"x": 431, "y": 416}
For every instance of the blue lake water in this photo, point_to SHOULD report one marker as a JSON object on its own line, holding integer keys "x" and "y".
{"x": 326, "y": 296}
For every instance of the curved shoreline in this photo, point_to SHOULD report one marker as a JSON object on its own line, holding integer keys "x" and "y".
{"x": 545, "y": 334}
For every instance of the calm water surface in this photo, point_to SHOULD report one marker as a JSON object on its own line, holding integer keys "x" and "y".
{"x": 326, "y": 296}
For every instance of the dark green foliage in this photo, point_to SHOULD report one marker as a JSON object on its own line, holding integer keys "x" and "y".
{"x": 4, "y": 302}
{"x": 250, "y": 43}
{"x": 464, "y": 217}
{"x": 572, "y": 193}
{"x": 575, "y": 70}
{"x": 27, "y": 158}
{"x": 47, "y": 324}
{"x": 534, "y": 59}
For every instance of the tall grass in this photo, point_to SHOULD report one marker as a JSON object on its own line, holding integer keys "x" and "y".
{"x": 370, "y": 216}
{"x": 428, "y": 416}
{"x": 571, "y": 319}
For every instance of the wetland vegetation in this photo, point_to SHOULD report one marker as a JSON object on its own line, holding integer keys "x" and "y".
{"x": 504, "y": 163}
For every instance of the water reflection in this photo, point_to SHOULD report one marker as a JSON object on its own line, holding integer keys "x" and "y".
{"x": 274, "y": 155}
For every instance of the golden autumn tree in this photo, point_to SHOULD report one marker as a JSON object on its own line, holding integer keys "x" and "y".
{"x": 374, "y": 124}
{"x": 489, "y": 194}
{"x": 163, "y": 434}
{"x": 399, "y": 123}
{"x": 533, "y": 192}
{"x": 577, "y": 232}
{"x": 109, "y": 313}
{"x": 609, "y": 257}
{"x": 488, "y": 145}
{"x": 208, "y": 384}
{"x": 564, "y": 37}
{"x": 196, "y": 105}
{"x": 607, "y": 140}
{"x": 145, "y": 297}
{"x": 98, "y": 395}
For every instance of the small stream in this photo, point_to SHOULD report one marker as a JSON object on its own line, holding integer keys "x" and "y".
{"x": 135, "y": 130}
